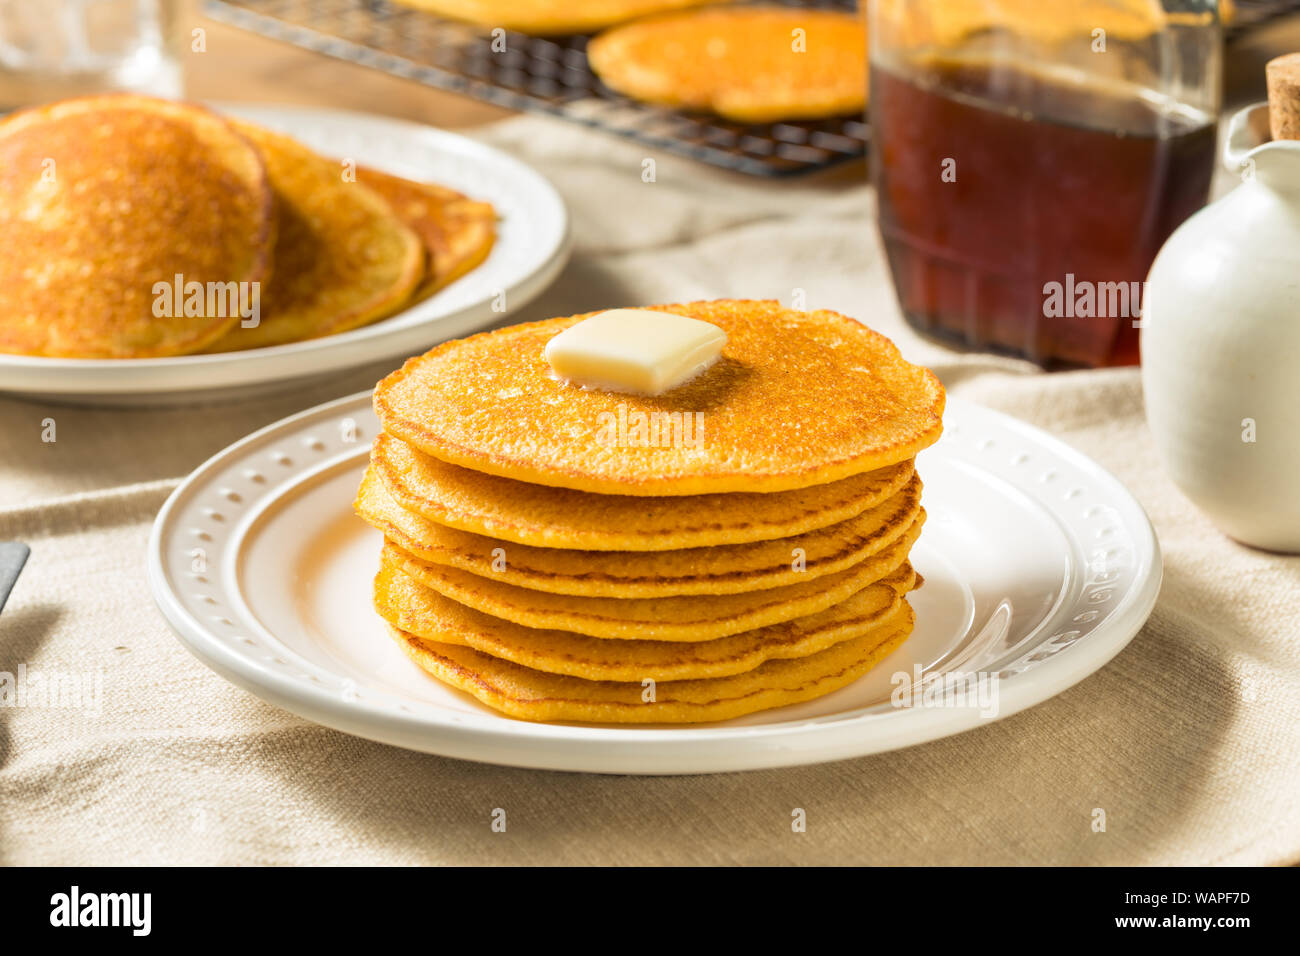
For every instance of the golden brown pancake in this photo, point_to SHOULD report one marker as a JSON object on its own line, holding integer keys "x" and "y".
{"x": 679, "y": 618}
{"x": 421, "y": 611}
{"x": 724, "y": 569}
{"x": 536, "y": 695}
{"x": 749, "y": 64}
{"x": 103, "y": 197}
{"x": 796, "y": 399}
{"x": 548, "y": 17}
{"x": 561, "y": 518}
{"x": 457, "y": 232}
{"x": 342, "y": 256}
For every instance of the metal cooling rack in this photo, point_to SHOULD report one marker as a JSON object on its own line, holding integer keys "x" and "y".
{"x": 551, "y": 75}
{"x": 544, "y": 75}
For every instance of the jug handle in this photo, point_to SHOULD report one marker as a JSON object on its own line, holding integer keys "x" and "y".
{"x": 1247, "y": 131}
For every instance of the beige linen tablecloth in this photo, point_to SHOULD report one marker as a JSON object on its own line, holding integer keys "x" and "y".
{"x": 1188, "y": 740}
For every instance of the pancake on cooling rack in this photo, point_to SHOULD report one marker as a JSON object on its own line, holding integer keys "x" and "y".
{"x": 549, "y": 17}
{"x": 106, "y": 200}
{"x": 748, "y": 64}
{"x": 545, "y": 557}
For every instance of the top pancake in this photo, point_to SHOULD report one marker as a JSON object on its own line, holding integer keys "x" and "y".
{"x": 796, "y": 399}
{"x": 549, "y": 17}
{"x": 457, "y": 232}
{"x": 748, "y": 63}
{"x": 101, "y": 198}
{"x": 342, "y": 256}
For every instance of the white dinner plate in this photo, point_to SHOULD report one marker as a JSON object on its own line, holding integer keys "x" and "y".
{"x": 532, "y": 247}
{"x": 1039, "y": 567}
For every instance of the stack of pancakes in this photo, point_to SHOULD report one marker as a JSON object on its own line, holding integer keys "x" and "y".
{"x": 105, "y": 200}
{"x": 543, "y": 555}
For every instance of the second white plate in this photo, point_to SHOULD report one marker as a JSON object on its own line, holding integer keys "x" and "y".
{"x": 532, "y": 247}
{"x": 1039, "y": 567}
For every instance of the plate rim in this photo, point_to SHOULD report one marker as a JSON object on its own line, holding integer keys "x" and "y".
{"x": 58, "y": 376}
{"x": 708, "y": 748}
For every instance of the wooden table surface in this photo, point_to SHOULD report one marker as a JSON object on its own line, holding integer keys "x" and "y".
{"x": 239, "y": 65}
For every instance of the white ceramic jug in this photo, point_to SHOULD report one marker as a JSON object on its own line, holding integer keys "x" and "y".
{"x": 1221, "y": 346}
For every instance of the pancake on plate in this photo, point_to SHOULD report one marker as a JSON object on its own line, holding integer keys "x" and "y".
{"x": 721, "y": 569}
{"x": 424, "y": 613}
{"x": 544, "y": 516}
{"x": 536, "y": 695}
{"x": 692, "y": 617}
{"x": 343, "y": 258}
{"x": 839, "y": 395}
{"x": 748, "y": 64}
{"x": 457, "y": 232}
{"x": 549, "y": 17}
{"x": 103, "y": 198}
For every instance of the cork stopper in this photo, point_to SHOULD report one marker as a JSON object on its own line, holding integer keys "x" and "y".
{"x": 1283, "y": 75}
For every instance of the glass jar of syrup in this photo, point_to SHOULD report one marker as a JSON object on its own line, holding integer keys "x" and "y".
{"x": 1031, "y": 157}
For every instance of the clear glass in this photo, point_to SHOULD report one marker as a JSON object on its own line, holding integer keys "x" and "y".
{"x": 52, "y": 49}
{"x": 1031, "y": 157}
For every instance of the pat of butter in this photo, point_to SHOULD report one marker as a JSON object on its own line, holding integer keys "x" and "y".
{"x": 635, "y": 350}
